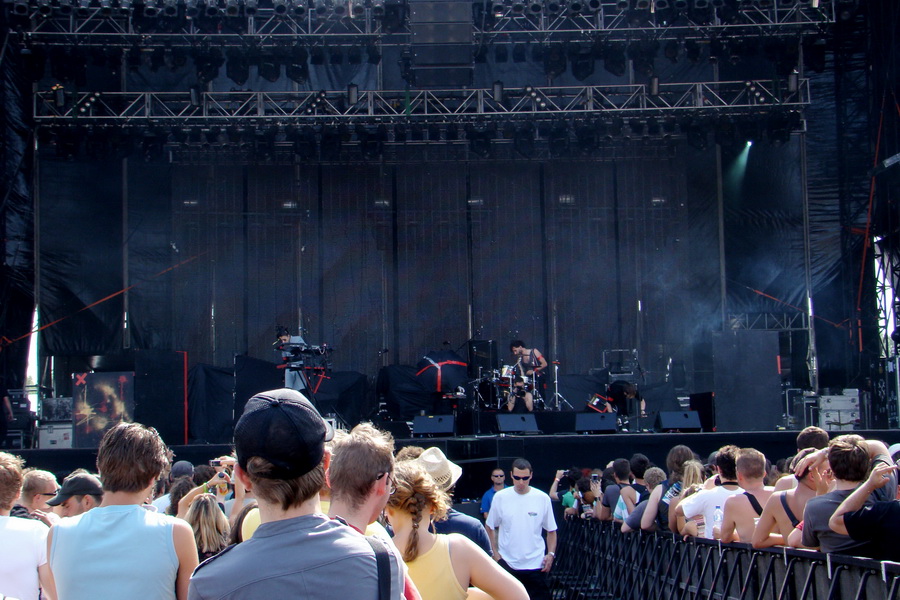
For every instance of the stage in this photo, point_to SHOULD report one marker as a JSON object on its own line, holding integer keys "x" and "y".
{"x": 478, "y": 455}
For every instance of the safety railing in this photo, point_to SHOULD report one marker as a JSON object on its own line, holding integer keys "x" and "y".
{"x": 595, "y": 560}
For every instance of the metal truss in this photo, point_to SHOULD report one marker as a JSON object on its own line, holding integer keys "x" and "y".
{"x": 96, "y": 26}
{"x": 796, "y": 321}
{"x": 449, "y": 106}
{"x": 887, "y": 282}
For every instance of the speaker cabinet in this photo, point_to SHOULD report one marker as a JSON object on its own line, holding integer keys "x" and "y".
{"x": 593, "y": 422}
{"x": 437, "y": 425}
{"x": 683, "y": 421}
{"x": 517, "y": 423}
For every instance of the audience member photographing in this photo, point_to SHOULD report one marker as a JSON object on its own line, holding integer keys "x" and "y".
{"x": 120, "y": 549}
{"x": 443, "y": 566}
{"x": 24, "y": 573}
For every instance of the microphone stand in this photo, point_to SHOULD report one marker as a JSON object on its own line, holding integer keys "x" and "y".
{"x": 558, "y": 399}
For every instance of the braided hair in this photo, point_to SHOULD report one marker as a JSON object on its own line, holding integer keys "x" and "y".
{"x": 416, "y": 492}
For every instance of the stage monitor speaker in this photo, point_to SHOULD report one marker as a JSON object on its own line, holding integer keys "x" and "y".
{"x": 704, "y": 404}
{"x": 398, "y": 429}
{"x": 434, "y": 425}
{"x": 517, "y": 423}
{"x": 593, "y": 422}
{"x": 683, "y": 421}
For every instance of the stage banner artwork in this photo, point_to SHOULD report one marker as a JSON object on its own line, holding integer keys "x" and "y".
{"x": 100, "y": 401}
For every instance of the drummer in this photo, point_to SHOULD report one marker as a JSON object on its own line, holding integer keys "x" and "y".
{"x": 519, "y": 399}
{"x": 529, "y": 362}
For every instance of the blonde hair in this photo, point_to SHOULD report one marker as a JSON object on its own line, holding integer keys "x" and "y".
{"x": 208, "y": 522}
{"x": 357, "y": 459}
{"x": 692, "y": 474}
{"x": 416, "y": 491}
{"x": 10, "y": 479}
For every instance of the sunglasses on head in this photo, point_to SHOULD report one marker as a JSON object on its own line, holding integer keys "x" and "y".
{"x": 521, "y": 478}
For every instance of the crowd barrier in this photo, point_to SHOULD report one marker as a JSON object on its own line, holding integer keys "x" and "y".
{"x": 595, "y": 560}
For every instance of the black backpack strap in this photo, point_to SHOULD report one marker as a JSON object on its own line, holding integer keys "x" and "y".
{"x": 383, "y": 565}
{"x": 754, "y": 503}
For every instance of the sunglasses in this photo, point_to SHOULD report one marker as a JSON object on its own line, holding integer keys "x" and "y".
{"x": 49, "y": 493}
{"x": 522, "y": 478}
{"x": 497, "y": 475}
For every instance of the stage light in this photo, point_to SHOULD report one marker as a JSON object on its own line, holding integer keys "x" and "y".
{"x": 377, "y": 8}
{"x": 151, "y": 9}
{"x": 523, "y": 140}
{"x": 300, "y": 8}
{"x": 555, "y": 7}
{"x": 279, "y": 7}
{"x": 340, "y": 9}
{"x": 519, "y": 53}
{"x": 555, "y": 60}
{"x": 66, "y": 6}
{"x": 357, "y": 8}
{"x": 212, "y": 8}
{"x": 582, "y": 59}
{"x": 170, "y": 8}
{"x": 558, "y": 140}
{"x": 614, "y": 59}
{"x": 269, "y": 67}
{"x": 323, "y": 7}
{"x": 497, "y": 91}
{"x": 20, "y": 8}
{"x": 232, "y": 8}
{"x": 297, "y": 68}
{"x": 44, "y": 8}
{"x": 191, "y": 9}
{"x": 238, "y": 67}
{"x": 535, "y": 7}
{"x": 670, "y": 51}
{"x": 352, "y": 94}
{"x": 373, "y": 54}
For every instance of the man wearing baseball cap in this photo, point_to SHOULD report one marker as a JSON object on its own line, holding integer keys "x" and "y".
{"x": 80, "y": 492}
{"x": 281, "y": 457}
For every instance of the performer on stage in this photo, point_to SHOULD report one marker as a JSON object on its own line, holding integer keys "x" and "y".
{"x": 519, "y": 399}
{"x": 618, "y": 393}
{"x": 289, "y": 356}
{"x": 529, "y": 363}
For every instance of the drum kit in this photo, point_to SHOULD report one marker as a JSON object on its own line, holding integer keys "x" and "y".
{"x": 492, "y": 388}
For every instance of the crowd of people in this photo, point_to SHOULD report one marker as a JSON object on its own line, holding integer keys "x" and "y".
{"x": 835, "y": 495}
{"x": 299, "y": 508}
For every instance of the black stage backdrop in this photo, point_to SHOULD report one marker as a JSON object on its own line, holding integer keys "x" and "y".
{"x": 388, "y": 262}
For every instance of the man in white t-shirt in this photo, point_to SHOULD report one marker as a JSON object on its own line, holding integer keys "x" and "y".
{"x": 518, "y": 517}
{"x": 711, "y": 503}
{"x": 23, "y": 542}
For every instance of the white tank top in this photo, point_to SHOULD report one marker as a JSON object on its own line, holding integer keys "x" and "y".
{"x": 115, "y": 552}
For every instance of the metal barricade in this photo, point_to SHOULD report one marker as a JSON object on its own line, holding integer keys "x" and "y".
{"x": 596, "y": 561}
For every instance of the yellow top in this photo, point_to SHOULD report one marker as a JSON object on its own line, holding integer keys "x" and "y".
{"x": 433, "y": 574}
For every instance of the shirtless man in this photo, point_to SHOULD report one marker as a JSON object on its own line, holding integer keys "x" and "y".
{"x": 784, "y": 509}
{"x": 742, "y": 511}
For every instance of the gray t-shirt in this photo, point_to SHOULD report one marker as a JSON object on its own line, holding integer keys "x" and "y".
{"x": 308, "y": 556}
{"x": 633, "y": 519}
{"x": 816, "y": 532}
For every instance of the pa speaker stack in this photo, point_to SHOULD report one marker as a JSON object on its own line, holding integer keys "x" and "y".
{"x": 441, "y": 48}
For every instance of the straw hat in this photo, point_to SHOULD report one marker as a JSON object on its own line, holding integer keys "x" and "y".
{"x": 444, "y": 472}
